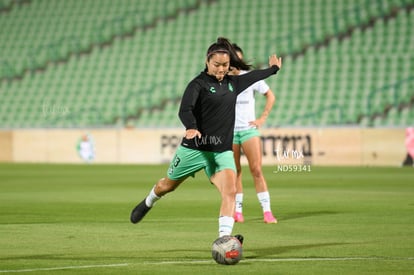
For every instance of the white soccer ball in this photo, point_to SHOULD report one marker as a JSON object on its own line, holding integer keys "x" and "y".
{"x": 227, "y": 250}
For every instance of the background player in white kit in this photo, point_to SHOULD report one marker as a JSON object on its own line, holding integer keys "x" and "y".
{"x": 247, "y": 138}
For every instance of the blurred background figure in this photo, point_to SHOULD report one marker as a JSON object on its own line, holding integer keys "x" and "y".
{"x": 86, "y": 148}
{"x": 409, "y": 144}
{"x": 247, "y": 139}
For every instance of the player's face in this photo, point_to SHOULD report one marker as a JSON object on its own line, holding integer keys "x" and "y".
{"x": 218, "y": 65}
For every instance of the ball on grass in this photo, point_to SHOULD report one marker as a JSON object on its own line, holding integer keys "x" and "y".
{"x": 227, "y": 250}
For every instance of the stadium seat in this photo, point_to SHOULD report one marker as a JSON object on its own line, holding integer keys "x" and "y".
{"x": 115, "y": 69}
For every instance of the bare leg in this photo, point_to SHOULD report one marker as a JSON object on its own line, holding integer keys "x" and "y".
{"x": 225, "y": 181}
{"x": 238, "y": 216}
{"x": 253, "y": 152}
{"x": 166, "y": 185}
{"x": 163, "y": 186}
{"x": 237, "y": 154}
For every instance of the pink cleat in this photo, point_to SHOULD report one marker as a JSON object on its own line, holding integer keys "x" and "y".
{"x": 268, "y": 217}
{"x": 238, "y": 217}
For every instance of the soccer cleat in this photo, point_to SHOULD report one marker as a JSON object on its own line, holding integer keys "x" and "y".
{"x": 139, "y": 212}
{"x": 239, "y": 237}
{"x": 238, "y": 217}
{"x": 268, "y": 217}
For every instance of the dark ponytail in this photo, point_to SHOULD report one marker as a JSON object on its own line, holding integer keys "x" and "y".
{"x": 223, "y": 45}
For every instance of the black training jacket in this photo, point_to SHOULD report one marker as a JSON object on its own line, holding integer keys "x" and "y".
{"x": 208, "y": 105}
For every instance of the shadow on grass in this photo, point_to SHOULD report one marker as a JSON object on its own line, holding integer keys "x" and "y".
{"x": 267, "y": 251}
{"x": 181, "y": 255}
{"x": 298, "y": 215}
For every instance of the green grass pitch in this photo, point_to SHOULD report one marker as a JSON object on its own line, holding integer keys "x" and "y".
{"x": 74, "y": 219}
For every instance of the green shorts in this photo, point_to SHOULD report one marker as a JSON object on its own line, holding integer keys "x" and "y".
{"x": 187, "y": 162}
{"x": 242, "y": 136}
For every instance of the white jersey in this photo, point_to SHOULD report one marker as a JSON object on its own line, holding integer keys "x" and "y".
{"x": 245, "y": 105}
{"x": 86, "y": 150}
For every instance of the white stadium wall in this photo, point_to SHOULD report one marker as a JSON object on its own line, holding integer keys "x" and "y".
{"x": 311, "y": 146}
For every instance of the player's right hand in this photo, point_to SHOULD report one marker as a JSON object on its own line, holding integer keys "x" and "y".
{"x": 192, "y": 133}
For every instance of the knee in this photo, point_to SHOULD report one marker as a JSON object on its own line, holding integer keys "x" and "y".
{"x": 256, "y": 171}
{"x": 231, "y": 191}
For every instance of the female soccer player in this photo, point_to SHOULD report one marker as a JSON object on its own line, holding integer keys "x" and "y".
{"x": 247, "y": 137}
{"x": 207, "y": 111}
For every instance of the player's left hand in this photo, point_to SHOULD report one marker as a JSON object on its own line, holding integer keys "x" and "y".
{"x": 274, "y": 60}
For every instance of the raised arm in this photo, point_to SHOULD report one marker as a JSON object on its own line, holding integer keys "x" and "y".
{"x": 245, "y": 80}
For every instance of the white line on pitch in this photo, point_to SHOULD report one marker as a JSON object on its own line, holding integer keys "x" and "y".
{"x": 62, "y": 268}
{"x": 290, "y": 260}
{"x": 212, "y": 261}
